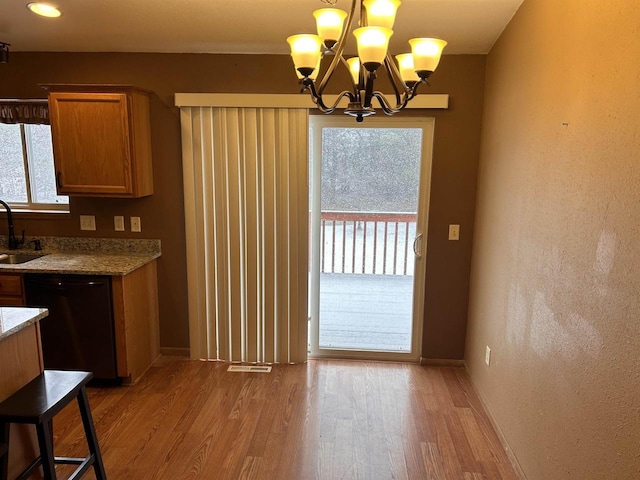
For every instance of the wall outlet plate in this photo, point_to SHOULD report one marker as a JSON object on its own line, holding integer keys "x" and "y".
{"x": 135, "y": 224}
{"x": 487, "y": 356}
{"x": 87, "y": 222}
{"x": 454, "y": 232}
{"x": 118, "y": 223}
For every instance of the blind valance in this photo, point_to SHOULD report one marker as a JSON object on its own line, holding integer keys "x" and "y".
{"x": 24, "y": 111}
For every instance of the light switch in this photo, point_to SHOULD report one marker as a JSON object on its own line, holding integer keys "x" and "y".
{"x": 118, "y": 223}
{"x": 454, "y": 232}
{"x": 135, "y": 224}
{"x": 87, "y": 222}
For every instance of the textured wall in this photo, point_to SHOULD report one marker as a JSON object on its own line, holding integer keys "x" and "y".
{"x": 555, "y": 284}
{"x": 456, "y": 150}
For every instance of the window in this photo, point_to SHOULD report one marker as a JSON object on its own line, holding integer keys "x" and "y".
{"x": 28, "y": 180}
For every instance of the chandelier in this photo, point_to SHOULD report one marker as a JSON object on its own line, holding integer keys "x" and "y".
{"x": 372, "y": 38}
{"x": 4, "y": 52}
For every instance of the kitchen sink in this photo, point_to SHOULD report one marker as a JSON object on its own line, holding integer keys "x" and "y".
{"x": 15, "y": 258}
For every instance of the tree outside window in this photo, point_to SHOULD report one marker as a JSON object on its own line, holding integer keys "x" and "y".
{"x": 27, "y": 175}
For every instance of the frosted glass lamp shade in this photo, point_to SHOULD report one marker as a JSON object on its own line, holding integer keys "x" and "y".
{"x": 315, "y": 72}
{"x": 354, "y": 69}
{"x": 381, "y": 13}
{"x": 329, "y": 23}
{"x": 306, "y": 52}
{"x": 373, "y": 43}
{"x": 407, "y": 70}
{"x": 426, "y": 54}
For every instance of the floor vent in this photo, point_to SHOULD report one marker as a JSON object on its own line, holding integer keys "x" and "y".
{"x": 249, "y": 368}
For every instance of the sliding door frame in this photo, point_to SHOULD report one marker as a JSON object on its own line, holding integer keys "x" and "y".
{"x": 317, "y": 123}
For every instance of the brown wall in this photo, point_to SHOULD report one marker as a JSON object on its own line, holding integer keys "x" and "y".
{"x": 555, "y": 274}
{"x": 457, "y": 138}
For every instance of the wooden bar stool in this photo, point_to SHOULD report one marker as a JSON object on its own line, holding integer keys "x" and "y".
{"x": 37, "y": 403}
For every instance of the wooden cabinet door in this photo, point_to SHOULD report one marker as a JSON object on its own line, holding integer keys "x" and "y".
{"x": 11, "y": 291}
{"x": 91, "y": 142}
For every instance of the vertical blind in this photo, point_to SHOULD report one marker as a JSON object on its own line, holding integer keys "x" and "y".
{"x": 246, "y": 214}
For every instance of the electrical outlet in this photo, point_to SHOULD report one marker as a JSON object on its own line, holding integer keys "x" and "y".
{"x": 487, "y": 356}
{"x": 135, "y": 224}
{"x": 87, "y": 222}
{"x": 454, "y": 232}
{"x": 118, "y": 223}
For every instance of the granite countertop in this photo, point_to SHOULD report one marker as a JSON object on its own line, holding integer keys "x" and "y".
{"x": 14, "y": 319}
{"x": 86, "y": 256}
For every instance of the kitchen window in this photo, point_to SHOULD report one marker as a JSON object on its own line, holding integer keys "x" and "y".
{"x": 27, "y": 180}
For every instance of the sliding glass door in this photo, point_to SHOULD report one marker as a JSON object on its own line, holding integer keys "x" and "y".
{"x": 369, "y": 202}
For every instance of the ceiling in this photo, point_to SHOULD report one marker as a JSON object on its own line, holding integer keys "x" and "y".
{"x": 234, "y": 26}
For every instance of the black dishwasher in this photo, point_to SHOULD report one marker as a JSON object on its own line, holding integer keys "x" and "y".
{"x": 78, "y": 334}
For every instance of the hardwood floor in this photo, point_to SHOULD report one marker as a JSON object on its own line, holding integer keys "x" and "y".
{"x": 324, "y": 420}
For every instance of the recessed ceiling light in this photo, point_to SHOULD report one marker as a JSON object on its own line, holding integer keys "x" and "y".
{"x": 44, "y": 9}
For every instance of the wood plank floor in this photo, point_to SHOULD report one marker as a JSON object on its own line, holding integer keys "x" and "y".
{"x": 326, "y": 419}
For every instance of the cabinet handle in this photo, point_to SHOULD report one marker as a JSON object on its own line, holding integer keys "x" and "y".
{"x": 59, "y": 179}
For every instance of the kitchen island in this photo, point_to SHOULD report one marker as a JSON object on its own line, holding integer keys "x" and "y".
{"x": 21, "y": 360}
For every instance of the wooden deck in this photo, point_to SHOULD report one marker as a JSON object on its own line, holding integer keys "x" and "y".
{"x": 365, "y": 312}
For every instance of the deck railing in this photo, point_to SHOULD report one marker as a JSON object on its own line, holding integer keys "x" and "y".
{"x": 376, "y": 243}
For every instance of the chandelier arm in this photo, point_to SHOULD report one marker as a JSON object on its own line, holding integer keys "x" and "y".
{"x": 402, "y": 102}
{"x": 384, "y": 104}
{"x": 413, "y": 91}
{"x": 339, "y": 48}
{"x": 317, "y": 98}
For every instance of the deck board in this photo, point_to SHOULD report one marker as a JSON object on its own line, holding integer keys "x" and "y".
{"x": 366, "y": 312}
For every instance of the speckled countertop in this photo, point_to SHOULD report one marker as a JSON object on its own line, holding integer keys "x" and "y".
{"x": 84, "y": 256}
{"x": 14, "y": 319}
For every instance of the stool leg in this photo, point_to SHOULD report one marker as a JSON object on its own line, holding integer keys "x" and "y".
{"x": 45, "y": 435}
{"x": 4, "y": 442}
{"x": 90, "y": 432}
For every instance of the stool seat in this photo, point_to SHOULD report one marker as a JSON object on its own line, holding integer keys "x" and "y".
{"x": 43, "y": 397}
{"x": 37, "y": 403}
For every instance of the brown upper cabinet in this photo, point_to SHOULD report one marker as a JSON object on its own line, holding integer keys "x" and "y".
{"x": 101, "y": 140}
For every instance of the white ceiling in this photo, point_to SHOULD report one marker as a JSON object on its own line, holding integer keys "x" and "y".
{"x": 234, "y": 26}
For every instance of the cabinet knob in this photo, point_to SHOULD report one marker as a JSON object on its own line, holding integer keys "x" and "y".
{"x": 59, "y": 179}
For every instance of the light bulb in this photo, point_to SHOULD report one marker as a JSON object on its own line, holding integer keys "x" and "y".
{"x": 44, "y": 9}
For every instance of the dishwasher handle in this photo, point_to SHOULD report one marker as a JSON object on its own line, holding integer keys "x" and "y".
{"x": 62, "y": 284}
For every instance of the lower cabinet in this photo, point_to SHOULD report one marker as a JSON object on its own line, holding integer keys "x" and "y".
{"x": 11, "y": 291}
{"x": 135, "y": 313}
{"x": 126, "y": 306}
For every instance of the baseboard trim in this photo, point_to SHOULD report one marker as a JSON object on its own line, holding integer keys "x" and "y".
{"x": 175, "y": 351}
{"x": 503, "y": 440}
{"x": 441, "y": 362}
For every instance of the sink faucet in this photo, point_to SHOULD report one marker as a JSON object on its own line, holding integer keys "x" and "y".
{"x": 14, "y": 243}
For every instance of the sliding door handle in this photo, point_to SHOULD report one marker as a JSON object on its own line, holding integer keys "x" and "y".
{"x": 417, "y": 253}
